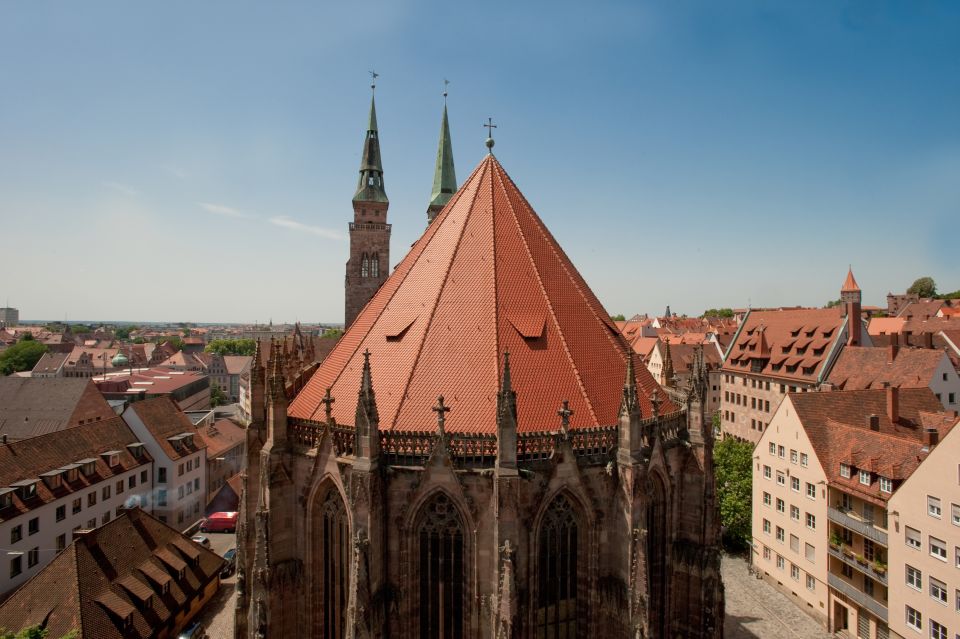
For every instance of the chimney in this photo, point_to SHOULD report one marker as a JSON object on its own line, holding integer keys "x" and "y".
{"x": 894, "y": 346}
{"x": 873, "y": 422}
{"x": 854, "y": 323}
{"x": 893, "y": 403}
{"x": 931, "y": 436}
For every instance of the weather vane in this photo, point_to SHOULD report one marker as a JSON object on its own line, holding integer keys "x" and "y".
{"x": 373, "y": 81}
{"x": 490, "y": 126}
{"x": 445, "y": 83}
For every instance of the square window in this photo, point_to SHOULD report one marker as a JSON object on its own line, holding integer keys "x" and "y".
{"x": 804, "y": 459}
{"x": 865, "y": 477}
{"x": 781, "y": 452}
{"x": 795, "y": 484}
{"x": 61, "y": 512}
{"x": 61, "y": 542}
{"x": 766, "y": 499}
{"x": 795, "y": 544}
{"x": 780, "y": 534}
{"x": 106, "y": 493}
{"x": 766, "y": 553}
{"x": 933, "y": 507}
{"x": 773, "y": 448}
{"x": 781, "y": 505}
{"x": 794, "y": 572}
{"x": 766, "y": 526}
{"x": 811, "y": 583}
{"x": 781, "y": 478}
{"x": 161, "y": 475}
{"x": 914, "y": 578}
{"x": 794, "y": 513}
{"x": 938, "y": 548}
{"x": 143, "y": 476}
{"x": 16, "y": 566}
{"x": 810, "y": 552}
{"x": 845, "y": 471}
{"x": 955, "y": 514}
{"x": 33, "y": 526}
{"x": 811, "y": 521}
{"x": 780, "y": 562}
{"x": 886, "y": 485}
{"x": 811, "y": 491}
{"x": 912, "y": 538}
{"x": 120, "y": 487}
{"x": 793, "y": 456}
{"x": 16, "y": 533}
{"x": 77, "y": 505}
{"x": 92, "y": 499}
{"x": 938, "y": 591}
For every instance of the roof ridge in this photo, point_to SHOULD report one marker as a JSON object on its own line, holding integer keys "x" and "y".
{"x": 436, "y": 300}
{"x": 425, "y": 239}
{"x": 546, "y": 297}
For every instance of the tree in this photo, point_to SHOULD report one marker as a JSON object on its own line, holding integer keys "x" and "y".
{"x": 22, "y": 356}
{"x": 718, "y": 312}
{"x": 733, "y": 466}
{"x": 232, "y": 347}
{"x": 333, "y": 333}
{"x": 124, "y": 331}
{"x": 618, "y": 317}
{"x": 33, "y": 632}
{"x": 924, "y": 287}
{"x": 950, "y": 296}
{"x": 217, "y": 396}
{"x": 833, "y": 303}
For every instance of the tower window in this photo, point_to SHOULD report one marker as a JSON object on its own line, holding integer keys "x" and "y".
{"x": 375, "y": 265}
{"x": 364, "y": 266}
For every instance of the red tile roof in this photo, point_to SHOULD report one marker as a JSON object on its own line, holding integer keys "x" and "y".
{"x": 101, "y": 584}
{"x": 221, "y": 436}
{"x": 485, "y": 277}
{"x": 861, "y": 367}
{"x": 163, "y": 419}
{"x": 837, "y": 425}
{"x": 34, "y": 406}
{"x": 850, "y": 284}
{"x": 799, "y": 342}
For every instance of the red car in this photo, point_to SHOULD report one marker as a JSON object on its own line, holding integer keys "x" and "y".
{"x": 220, "y": 522}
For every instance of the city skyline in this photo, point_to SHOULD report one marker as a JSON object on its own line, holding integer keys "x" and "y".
{"x": 209, "y": 155}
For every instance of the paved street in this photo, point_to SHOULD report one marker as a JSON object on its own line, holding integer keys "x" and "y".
{"x": 755, "y": 609}
{"x": 217, "y": 616}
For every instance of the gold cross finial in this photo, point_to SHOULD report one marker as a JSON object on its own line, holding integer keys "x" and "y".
{"x": 490, "y": 126}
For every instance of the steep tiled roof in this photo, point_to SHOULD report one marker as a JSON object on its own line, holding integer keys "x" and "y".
{"x": 50, "y": 363}
{"x": 850, "y": 284}
{"x": 885, "y": 325}
{"x": 163, "y": 419}
{"x": 31, "y": 458}
{"x": 922, "y": 309}
{"x": 837, "y": 425}
{"x": 220, "y": 436}
{"x": 34, "y": 406}
{"x": 485, "y": 277}
{"x": 237, "y": 364}
{"x": 111, "y": 582}
{"x": 799, "y": 342}
{"x": 861, "y": 367}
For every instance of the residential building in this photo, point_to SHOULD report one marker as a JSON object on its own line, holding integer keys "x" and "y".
{"x": 189, "y": 389}
{"x": 776, "y": 352}
{"x": 824, "y": 470}
{"x": 30, "y": 407}
{"x": 671, "y": 362}
{"x": 236, "y": 366}
{"x": 180, "y": 459}
{"x": 861, "y": 367}
{"x": 133, "y": 578}
{"x": 53, "y": 485}
{"x": 9, "y": 317}
{"x": 226, "y": 445}
{"x": 924, "y": 558}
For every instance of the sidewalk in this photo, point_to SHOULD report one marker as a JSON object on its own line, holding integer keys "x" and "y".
{"x": 755, "y": 610}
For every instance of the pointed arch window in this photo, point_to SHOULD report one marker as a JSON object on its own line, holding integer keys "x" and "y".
{"x": 364, "y": 266}
{"x": 557, "y": 578}
{"x": 375, "y": 265}
{"x": 441, "y": 556}
{"x": 332, "y": 551}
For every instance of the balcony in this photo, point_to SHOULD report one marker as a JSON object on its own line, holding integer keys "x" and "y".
{"x": 369, "y": 226}
{"x": 853, "y": 521}
{"x": 866, "y": 569}
{"x": 858, "y": 596}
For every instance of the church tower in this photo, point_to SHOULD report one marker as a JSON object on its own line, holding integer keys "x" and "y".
{"x": 369, "y": 263}
{"x": 444, "y": 176}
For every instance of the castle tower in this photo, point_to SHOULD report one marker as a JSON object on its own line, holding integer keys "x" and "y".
{"x": 444, "y": 176}
{"x": 369, "y": 262}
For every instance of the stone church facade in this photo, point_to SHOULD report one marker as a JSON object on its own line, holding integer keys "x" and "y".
{"x": 554, "y": 491}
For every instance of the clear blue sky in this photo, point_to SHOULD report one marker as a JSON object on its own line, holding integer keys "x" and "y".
{"x": 195, "y": 160}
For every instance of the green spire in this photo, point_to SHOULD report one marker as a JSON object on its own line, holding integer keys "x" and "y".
{"x": 370, "y": 187}
{"x": 444, "y": 176}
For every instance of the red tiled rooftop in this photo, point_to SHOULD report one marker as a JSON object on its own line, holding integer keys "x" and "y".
{"x": 850, "y": 284}
{"x": 861, "y": 367}
{"x": 485, "y": 277}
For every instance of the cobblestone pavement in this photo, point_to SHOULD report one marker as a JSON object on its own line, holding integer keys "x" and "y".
{"x": 755, "y": 609}
{"x": 217, "y": 615}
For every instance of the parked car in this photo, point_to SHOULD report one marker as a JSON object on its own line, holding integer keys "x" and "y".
{"x": 220, "y": 522}
{"x": 203, "y": 541}
{"x": 194, "y": 631}
{"x": 231, "y": 563}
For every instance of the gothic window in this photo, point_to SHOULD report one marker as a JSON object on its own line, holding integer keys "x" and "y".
{"x": 364, "y": 266}
{"x": 332, "y": 551}
{"x": 557, "y": 572}
{"x": 657, "y": 555}
{"x": 440, "y": 544}
{"x": 375, "y": 265}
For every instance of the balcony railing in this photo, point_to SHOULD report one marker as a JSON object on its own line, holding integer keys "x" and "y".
{"x": 857, "y": 596}
{"x": 866, "y": 569}
{"x": 369, "y": 226}
{"x": 849, "y": 519}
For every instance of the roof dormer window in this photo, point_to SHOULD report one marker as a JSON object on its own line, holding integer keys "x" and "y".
{"x": 845, "y": 471}
{"x": 6, "y": 497}
{"x": 87, "y": 466}
{"x": 112, "y": 457}
{"x": 26, "y": 489}
{"x": 53, "y": 479}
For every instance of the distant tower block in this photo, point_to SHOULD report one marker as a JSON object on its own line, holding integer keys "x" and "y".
{"x": 369, "y": 262}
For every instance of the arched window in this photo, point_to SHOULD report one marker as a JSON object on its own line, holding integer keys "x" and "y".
{"x": 331, "y": 570}
{"x": 440, "y": 546}
{"x": 657, "y": 555}
{"x": 557, "y": 572}
{"x": 364, "y": 266}
{"x": 375, "y": 265}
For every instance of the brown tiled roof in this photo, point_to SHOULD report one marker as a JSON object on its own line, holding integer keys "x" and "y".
{"x": 836, "y": 422}
{"x": 31, "y": 406}
{"x": 643, "y": 346}
{"x": 155, "y": 381}
{"x": 164, "y": 419}
{"x": 850, "y": 284}
{"x": 101, "y": 583}
{"x": 917, "y": 325}
{"x": 50, "y": 363}
{"x": 861, "y": 367}
{"x": 222, "y": 435}
{"x": 31, "y": 458}
{"x": 805, "y": 336}
{"x": 885, "y": 325}
{"x": 921, "y": 310}
{"x": 485, "y": 277}
{"x": 682, "y": 356}
{"x": 237, "y": 364}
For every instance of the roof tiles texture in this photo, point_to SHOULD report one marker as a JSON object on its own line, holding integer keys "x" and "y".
{"x": 862, "y": 367}
{"x": 98, "y": 584}
{"x": 486, "y": 277}
{"x": 164, "y": 419}
{"x": 35, "y": 406}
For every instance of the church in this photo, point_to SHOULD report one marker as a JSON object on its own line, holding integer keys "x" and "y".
{"x": 479, "y": 456}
